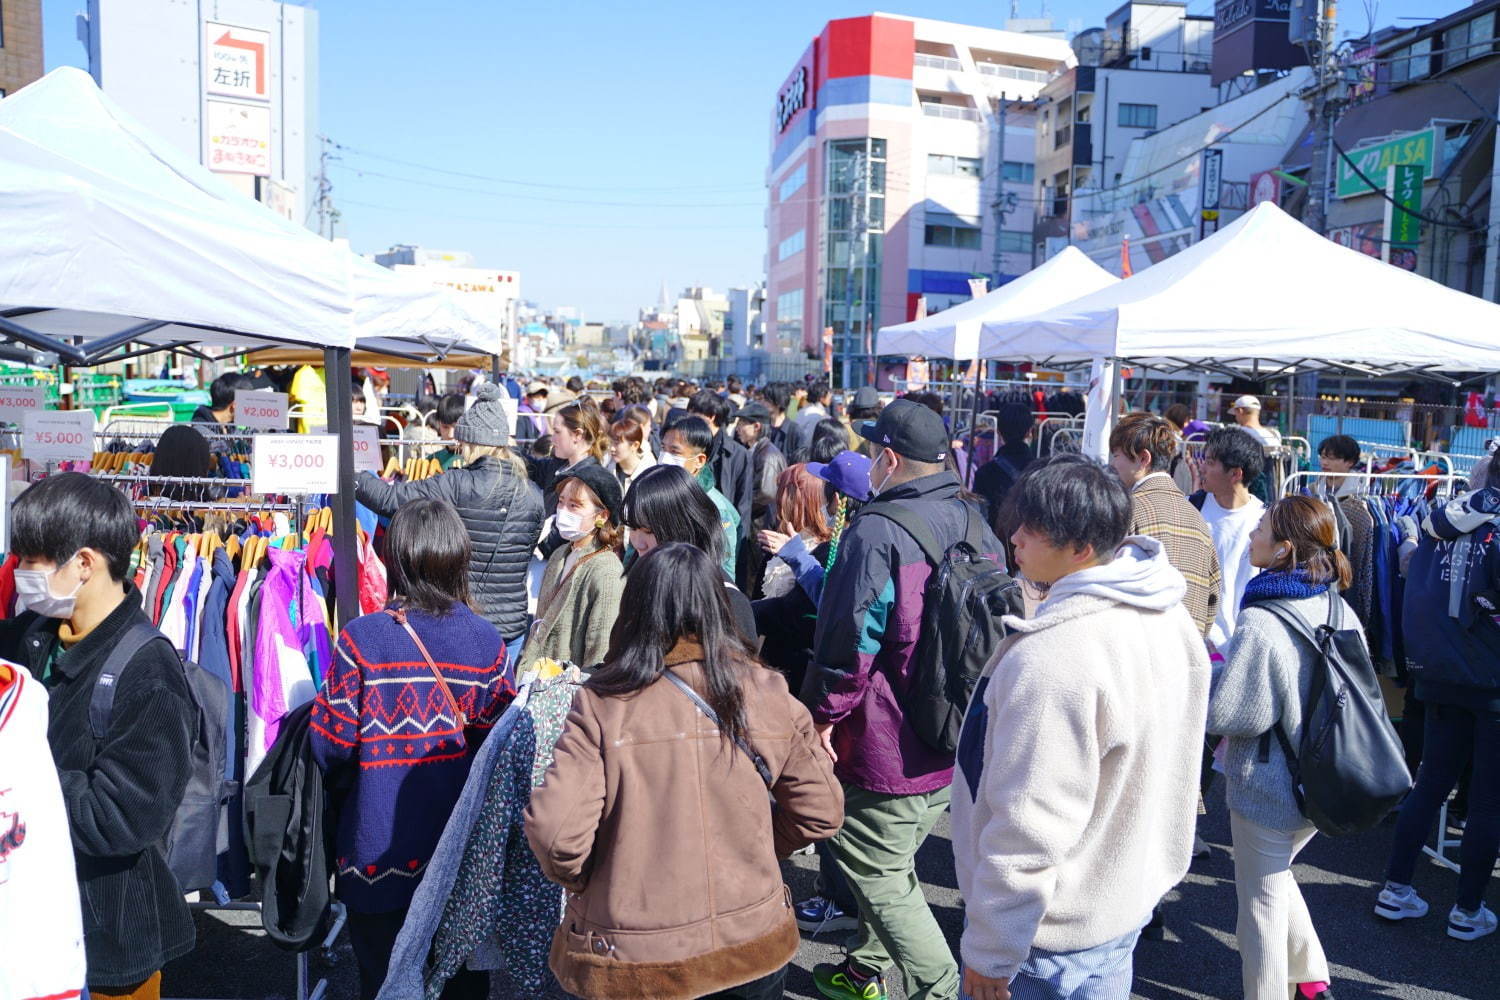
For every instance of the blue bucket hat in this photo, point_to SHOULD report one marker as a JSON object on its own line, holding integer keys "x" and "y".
{"x": 849, "y": 473}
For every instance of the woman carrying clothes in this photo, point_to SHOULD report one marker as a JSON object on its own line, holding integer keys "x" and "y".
{"x": 500, "y": 508}
{"x": 1261, "y": 685}
{"x": 580, "y": 594}
{"x": 412, "y": 693}
{"x": 667, "y": 504}
{"x": 654, "y": 813}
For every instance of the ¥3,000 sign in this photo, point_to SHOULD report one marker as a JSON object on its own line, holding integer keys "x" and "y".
{"x": 294, "y": 463}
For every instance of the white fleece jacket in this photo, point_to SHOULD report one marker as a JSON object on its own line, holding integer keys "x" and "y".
{"x": 1076, "y": 790}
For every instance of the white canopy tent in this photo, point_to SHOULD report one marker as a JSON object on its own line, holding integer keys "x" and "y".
{"x": 1265, "y": 292}
{"x": 115, "y": 238}
{"x": 955, "y": 332}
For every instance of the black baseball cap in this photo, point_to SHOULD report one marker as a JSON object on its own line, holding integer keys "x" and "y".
{"x": 754, "y": 411}
{"x": 909, "y": 429}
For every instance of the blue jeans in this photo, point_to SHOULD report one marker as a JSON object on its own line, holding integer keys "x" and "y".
{"x": 513, "y": 649}
{"x": 1452, "y": 737}
{"x": 1103, "y": 972}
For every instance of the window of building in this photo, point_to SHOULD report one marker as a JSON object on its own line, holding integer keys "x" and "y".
{"x": 789, "y": 319}
{"x": 1015, "y": 241}
{"x": 793, "y": 244}
{"x": 1138, "y": 116}
{"x": 952, "y": 233}
{"x": 964, "y": 166}
{"x": 792, "y": 184}
{"x": 1020, "y": 173}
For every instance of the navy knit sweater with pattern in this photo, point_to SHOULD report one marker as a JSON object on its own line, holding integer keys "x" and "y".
{"x": 383, "y": 729}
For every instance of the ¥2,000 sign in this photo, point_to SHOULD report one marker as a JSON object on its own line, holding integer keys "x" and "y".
{"x": 297, "y": 464}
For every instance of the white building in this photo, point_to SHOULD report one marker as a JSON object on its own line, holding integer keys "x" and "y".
{"x": 744, "y": 327}
{"x": 233, "y": 83}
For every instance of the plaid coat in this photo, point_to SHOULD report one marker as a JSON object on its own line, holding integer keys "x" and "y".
{"x": 1159, "y": 509}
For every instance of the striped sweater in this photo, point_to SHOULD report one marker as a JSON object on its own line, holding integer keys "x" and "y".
{"x": 1159, "y": 509}
{"x": 383, "y": 729}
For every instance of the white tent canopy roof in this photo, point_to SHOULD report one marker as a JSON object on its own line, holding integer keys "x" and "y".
{"x": 114, "y": 236}
{"x": 1265, "y": 289}
{"x": 954, "y": 333}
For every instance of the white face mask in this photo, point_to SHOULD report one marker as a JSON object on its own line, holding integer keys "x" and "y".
{"x": 676, "y": 461}
{"x": 34, "y": 593}
{"x": 570, "y": 525}
{"x": 877, "y": 490}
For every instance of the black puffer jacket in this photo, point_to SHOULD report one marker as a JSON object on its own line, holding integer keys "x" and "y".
{"x": 121, "y": 792}
{"x": 503, "y": 513}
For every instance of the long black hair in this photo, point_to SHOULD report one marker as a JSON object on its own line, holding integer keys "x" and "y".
{"x": 666, "y": 501}
{"x": 427, "y": 550}
{"x": 674, "y": 593}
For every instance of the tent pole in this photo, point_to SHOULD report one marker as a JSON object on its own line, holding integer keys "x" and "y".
{"x": 974, "y": 425}
{"x": 340, "y": 389}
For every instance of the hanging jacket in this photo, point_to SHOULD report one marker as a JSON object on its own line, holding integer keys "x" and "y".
{"x": 121, "y": 792}
{"x": 503, "y": 515}
{"x": 1452, "y": 640}
{"x": 282, "y": 679}
{"x": 286, "y": 827}
{"x": 484, "y": 901}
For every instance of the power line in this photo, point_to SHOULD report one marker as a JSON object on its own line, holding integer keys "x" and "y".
{"x": 490, "y": 178}
{"x": 547, "y": 223}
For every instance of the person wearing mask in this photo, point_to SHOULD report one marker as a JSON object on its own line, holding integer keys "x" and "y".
{"x": 581, "y": 587}
{"x": 666, "y": 504}
{"x": 993, "y": 479}
{"x": 1076, "y": 787}
{"x": 1260, "y": 686}
{"x": 733, "y": 469}
{"x": 1231, "y": 461}
{"x": 412, "y": 693}
{"x": 1453, "y": 651}
{"x": 1246, "y": 412}
{"x": 1141, "y": 449}
{"x": 654, "y": 813}
{"x": 73, "y": 536}
{"x": 686, "y": 444}
{"x": 864, "y": 659}
{"x": 500, "y": 508}
{"x": 219, "y": 412}
{"x": 630, "y": 452}
{"x": 530, "y": 423}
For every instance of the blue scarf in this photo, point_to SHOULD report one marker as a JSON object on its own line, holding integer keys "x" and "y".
{"x": 1280, "y": 585}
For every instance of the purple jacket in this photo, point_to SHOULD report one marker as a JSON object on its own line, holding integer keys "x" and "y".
{"x": 869, "y": 620}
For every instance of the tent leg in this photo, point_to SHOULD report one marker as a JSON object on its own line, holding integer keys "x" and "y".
{"x": 974, "y": 425}
{"x": 339, "y": 373}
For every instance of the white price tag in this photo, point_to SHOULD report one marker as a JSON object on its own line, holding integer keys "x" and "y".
{"x": 18, "y": 400}
{"x": 294, "y": 463}
{"x": 366, "y": 449}
{"x": 260, "y": 410}
{"x": 58, "y": 436}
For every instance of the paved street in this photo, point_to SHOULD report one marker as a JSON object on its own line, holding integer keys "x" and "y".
{"x": 1413, "y": 961}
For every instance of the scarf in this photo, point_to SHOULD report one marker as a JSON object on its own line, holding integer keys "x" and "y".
{"x": 1280, "y": 585}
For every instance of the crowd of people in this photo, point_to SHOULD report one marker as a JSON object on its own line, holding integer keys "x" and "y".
{"x": 748, "y": 581}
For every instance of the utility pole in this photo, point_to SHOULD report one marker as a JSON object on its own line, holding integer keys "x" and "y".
{"x": 999, "y": 206}
{"x": 1326, "y": 109}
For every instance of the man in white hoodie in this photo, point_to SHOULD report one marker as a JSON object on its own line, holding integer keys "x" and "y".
{"x": 1076, "y": 788}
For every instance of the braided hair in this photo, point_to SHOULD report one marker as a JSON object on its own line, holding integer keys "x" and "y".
{"x": 841, "y": 514}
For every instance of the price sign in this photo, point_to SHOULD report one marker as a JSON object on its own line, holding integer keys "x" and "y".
{"x": 18, "y": 400}
{"x": 294, "y": 463}
{"x": 58, "y": 435}
{"x": 366, "y": 449}
{"x": 259, "y": 410}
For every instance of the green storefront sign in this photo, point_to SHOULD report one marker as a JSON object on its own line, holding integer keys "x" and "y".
{"x": 1405, "y": 229}
{"x": 1375, "y": 162}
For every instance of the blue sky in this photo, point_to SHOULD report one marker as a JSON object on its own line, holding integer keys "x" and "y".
{"x": 598, "y": 148}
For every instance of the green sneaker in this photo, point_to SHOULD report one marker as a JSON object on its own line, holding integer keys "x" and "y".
{"x": 841, "y": 982}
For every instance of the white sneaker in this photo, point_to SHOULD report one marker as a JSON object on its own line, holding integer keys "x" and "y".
{"x": 1400, "y": 904}
{"x": 1467, "y": 927}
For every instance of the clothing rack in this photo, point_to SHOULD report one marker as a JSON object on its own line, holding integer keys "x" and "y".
{"x": 1295, "y": 482}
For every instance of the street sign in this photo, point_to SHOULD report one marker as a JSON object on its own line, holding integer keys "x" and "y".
{"x": 235, "y": 61}
{"x": 18, "y": 400}
{"x": 1374, "y": 161}
{"x": 1213, "y": 176}
{"x": 258, "y": 410}
{"x": 296, "y": 464}
{"x": 58, "y": 435}
{"x": 366, "y": 449}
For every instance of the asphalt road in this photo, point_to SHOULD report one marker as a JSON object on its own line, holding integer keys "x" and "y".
{"x": 1413, "y": 960}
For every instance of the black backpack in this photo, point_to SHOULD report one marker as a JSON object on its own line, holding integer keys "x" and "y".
{"x": 966, "y": 597}
{"x": 199, "y": 831}
{"x": 1350, "y": 770}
